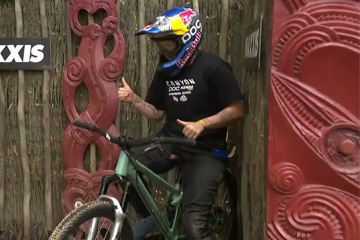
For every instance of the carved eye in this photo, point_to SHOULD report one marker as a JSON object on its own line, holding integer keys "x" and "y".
{"x": 85, "y": 18}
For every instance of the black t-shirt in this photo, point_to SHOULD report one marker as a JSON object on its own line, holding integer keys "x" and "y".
{"x": 200, "y": 90}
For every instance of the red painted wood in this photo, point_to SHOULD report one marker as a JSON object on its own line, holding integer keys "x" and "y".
{"x": 314, "y": 140}
{"x": 99, "y": 74}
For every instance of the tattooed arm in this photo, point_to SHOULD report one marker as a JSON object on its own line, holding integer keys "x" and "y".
{"x": 225, "y": 117}
{"x": 125, "y": 94}
{"x": 147, "y": 109}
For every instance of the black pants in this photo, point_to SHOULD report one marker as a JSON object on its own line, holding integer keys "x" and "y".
{"x": 201, "y": 176}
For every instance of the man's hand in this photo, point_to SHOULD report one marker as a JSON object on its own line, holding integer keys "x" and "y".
{"x": 191, "y": 129}
{"x": 125, "y": 93}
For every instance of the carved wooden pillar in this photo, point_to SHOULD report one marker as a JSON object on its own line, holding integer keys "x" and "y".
{"x": 314, "y": 140}
{"x": 99, "y": 74}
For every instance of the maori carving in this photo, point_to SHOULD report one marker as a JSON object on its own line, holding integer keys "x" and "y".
{"x": 327, "y": 124}
{"x": 294, "y": 5}
{"x": 313, "y": 115}
{"x": 286, "y": 178}
{"x": 316, "y": 212}
{"x": 311, "y": 211}
{"x": 315, "y": 25}
{"x": 99, "y": 74}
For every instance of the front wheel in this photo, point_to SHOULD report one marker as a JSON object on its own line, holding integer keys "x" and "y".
{"x": 76, "y": 224}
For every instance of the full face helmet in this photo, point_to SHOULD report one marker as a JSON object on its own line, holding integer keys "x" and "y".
{"x": 183, "y": 26}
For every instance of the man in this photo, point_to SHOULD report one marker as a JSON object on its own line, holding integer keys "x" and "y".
{"x": 199, "y": 96}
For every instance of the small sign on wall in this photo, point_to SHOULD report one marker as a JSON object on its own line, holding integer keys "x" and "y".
{"x": 252, "y": 51}
{"x": 25, "y": 53}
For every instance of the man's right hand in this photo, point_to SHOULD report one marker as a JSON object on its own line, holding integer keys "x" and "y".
{"x": 125, "y": 93}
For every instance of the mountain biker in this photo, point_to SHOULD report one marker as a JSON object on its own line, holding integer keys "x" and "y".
{"x": 198, "y": 94}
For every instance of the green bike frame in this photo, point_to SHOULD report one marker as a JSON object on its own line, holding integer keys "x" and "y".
{"x": 128, "y": 168}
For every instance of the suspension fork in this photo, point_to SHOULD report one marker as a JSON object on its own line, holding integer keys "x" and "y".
{"x": 119, "y": 208}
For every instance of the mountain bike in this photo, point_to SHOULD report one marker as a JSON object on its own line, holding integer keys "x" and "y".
{"x": 106, "y": 218}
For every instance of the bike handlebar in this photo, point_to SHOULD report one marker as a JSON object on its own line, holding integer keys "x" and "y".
{"x": 126, "y": 142}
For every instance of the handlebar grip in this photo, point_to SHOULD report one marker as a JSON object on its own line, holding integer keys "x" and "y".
{"x": 139, "y": 142}
{"x": 85, "y": 125}
{"x": 161, "y": 140}
{"x": 94, "y": 128}
{"x": 179, "y": 141}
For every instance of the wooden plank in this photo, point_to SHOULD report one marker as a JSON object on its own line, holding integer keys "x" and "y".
{"x": 46, "y": 125}
{"x": 267, "y": 8}
{"x": 224, "y": 31}
{"x": 92, "y": 158}
{"x": 224, "y": 28}
{"x": 69, "y": 53}
{"x": 170, "y": 4}
{"x": 255, "y": 128}
{"x": 22, "y": 131}
{"x": 196, "y": 6}
{"x": 2, "y": 156}
{"x": 118, "y": 117}
{"x": 171, "y": 175}
{"x": 143, "y": 76}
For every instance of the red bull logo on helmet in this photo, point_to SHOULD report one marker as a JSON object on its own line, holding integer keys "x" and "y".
{"x": 187, "y": 16}
{"x": 194, "y": 29}
{"x": 190, "y": 50}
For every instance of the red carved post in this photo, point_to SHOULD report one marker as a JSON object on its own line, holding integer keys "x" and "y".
{"x": 99, "y": 74}
{"x": 314, "y": 137}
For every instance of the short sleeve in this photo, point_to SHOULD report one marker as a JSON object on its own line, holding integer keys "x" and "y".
{"x": 225, "y": 86}
{"x": 155, "y": 95}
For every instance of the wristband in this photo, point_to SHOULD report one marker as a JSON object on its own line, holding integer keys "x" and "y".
{"x": 203, "y": 123}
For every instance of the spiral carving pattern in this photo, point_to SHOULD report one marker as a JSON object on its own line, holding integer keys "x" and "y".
{"x": 98, "y": 73}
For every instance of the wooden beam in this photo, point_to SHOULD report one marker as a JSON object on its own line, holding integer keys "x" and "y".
{"x": 224, "y": 28}
{"x": 92, "y": 158}
{"x": 69, "y": 53}
{"x": 22, "y": 131}
{"x": 170, "y": 4}
{"x": 2, "y": 156}
{"x": 118, "y": 117}
{"x": 171, "y": 175}
{"x": 46, "y": 124}
{"x": 143, "y": 77}
{"x": 196, "y": 6}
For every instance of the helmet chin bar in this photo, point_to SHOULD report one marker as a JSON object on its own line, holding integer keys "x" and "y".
{"x": 171, "y": 54}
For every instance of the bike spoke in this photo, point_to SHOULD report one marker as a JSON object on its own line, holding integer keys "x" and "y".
{"x": 79, "y": 235}
{"x": 99, "y": 230}
{"x": 107, "y": 231}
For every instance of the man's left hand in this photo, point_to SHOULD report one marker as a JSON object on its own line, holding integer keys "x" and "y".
{"x": 191, "y": 129}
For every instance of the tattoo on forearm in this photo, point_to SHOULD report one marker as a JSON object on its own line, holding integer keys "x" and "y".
{"x": 224, "y": 115}
{"x": 141, "y": 104}
{"x": 223, "y": 118}
{"x": 137, "y": 100}
{"x": 155, "y": 112}
{"x": 207, "y": 121}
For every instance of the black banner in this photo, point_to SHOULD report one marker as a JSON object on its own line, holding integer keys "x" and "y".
{"x": 252, "y": 51}
{"x": 25, "y": 53}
